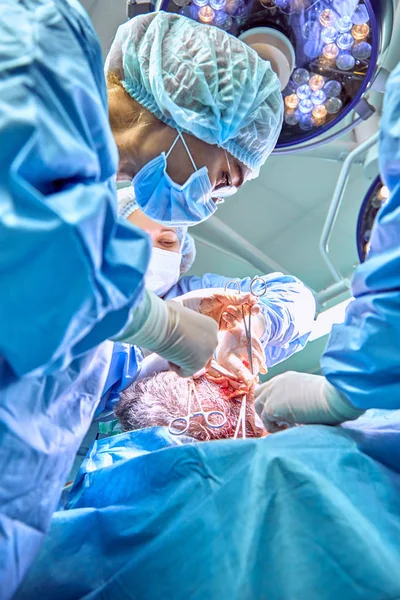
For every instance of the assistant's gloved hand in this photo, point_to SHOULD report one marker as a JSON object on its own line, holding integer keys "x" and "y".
{"x": 301, "y": 398}
{"x": 225, "y": 307}
{"x": 183, "y": 337}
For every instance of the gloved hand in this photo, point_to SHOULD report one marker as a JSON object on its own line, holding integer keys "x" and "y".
{"x": 225, "y": 307}
{"x": 232, "y": 355}
{"x": 183, "y": 337}
{"x": 301, "y": 398}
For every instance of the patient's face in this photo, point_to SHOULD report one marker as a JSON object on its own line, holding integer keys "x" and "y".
{"x": 159, "y": 399}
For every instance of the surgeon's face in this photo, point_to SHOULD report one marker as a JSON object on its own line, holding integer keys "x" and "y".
{"x": 157, "y": 400}
{"x": 140, "y": 137}
{"x": 136, "y": 150}
{"x": 223, "y": 169}
{"x": 162, "y": 237}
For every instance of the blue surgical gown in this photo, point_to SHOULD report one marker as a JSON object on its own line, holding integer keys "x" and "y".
{"x": 362, "y": 358}
{"x": 310, "y": 513}
{"x": 69, "y": 271}
{"x": 288, "y": 305}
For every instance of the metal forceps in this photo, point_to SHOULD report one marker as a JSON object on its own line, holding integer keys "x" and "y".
{"x": 241, "y": 423}
{"x": 247, "y": 326}
{"x": 180, "y": 425}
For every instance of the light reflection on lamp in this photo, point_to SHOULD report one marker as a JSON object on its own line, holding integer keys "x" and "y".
{"x": 344, "y": 24}
{"x": 305, "y": 106}
{"x": 330, "y": 51}
{"x": 360, "y": 32}
{"x": 319, "y": 112}
{"x": 345, "y": 41}
{"x": 300, "y": 76}
{"x": 206, "y": 14}
{"x": 361, "y": 51}
{"x": 327, "y": 17}
{"x": 292, "y": 101}
{"x": 345, "y": 61}
{"x": 304, "y": 92}
{"x": 217, "y": 4}
{"x": 316, "y": 82}
{"x": 333, "y": 105}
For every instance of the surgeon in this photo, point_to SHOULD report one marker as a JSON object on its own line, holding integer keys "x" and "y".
{"x": 361, "y": 363}
{"x": 71, "y": 274}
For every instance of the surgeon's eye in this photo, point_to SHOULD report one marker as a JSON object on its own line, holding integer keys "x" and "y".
{"x": 168, "y": 241}
{"x": 226, "y": 181}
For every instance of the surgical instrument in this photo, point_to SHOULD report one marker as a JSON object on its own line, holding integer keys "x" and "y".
{"x": 241, "y": 423}
{"x": 180, "y": 425}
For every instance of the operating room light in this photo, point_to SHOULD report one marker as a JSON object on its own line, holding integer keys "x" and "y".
{"x": 316, "y": 82}
{"x": 304, "y": 92}
{"x": 335, "y": 45}
{"x": 332, "y": 88}
{"x": 318, "y": 97}
{"x": 327, "y": 17}
{"x": 383, "y": 193}
{"x": 345, "y": 61}
{"x": 217, "y": 4}
{"x": 360, "y": 32}
{"x": 292, "y": 101}
{"x": 305, "y": 106}
{"x": 328, "y": 318}
{"x": 374, "y": 199}
{"x": 344, "y": 24}
{"x": 333, "y": 105}
{"x": 345, "y": 41}
{"x": 361, "y": 51}
{"x": 319, "y": 112}
{"x": 300, "y": 76}
{"x": 206, "y": 14}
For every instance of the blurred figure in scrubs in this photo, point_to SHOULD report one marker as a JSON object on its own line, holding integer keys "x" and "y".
{"x": 71, "y": 275}
{"x": 361, "y": 363}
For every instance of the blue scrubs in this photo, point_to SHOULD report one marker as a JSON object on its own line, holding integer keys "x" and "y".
{"x": 312, "y": 512}
{"x": 362, "y": 358}
{"x": 69, "y": 271}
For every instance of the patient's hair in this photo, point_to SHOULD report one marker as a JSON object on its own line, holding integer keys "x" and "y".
{"x": 156, "y": 400}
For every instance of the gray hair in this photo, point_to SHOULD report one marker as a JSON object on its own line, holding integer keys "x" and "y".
{"x": 156, "y": 400}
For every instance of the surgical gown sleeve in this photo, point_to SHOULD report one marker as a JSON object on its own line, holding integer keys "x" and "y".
{"x": 69, "y": 271}
{"x": 362, "y": 358}
{"x": 287, "y": 305}
{"x": 125, "y": 366}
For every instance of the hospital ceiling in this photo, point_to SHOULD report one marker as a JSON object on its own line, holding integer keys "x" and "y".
{"x": 275, "y": 222}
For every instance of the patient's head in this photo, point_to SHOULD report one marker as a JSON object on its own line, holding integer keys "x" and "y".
{"x": 156, "y": 400}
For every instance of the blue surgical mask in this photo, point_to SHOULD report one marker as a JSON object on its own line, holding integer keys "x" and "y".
{"x": 163, "y": 200}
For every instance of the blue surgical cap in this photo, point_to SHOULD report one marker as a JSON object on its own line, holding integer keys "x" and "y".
{"x": 127, "y": 205}
{"x": 201, "y": 80}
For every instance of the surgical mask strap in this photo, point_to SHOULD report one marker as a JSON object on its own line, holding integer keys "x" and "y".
{"x": 186, "y": 148}
{"x": 229, "y": 165}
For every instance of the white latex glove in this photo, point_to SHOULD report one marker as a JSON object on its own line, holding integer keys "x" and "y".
{"x": 232, "y": 354}
{"x": 183, "y": 337}
{"x": 301, "y": 398}
{"x": 225, "y": 307}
